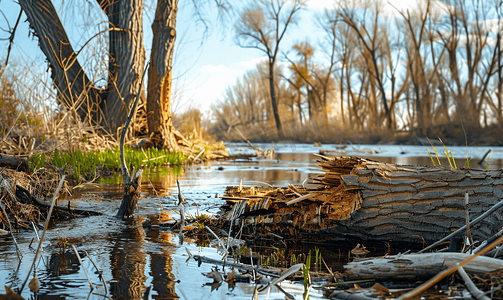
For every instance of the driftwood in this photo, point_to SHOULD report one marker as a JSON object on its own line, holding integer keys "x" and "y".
{"x": 415, "y": 267}
{"x": 362, "y": 200}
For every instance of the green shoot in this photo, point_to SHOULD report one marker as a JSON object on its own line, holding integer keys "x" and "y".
{"x": 436, "y": 154}
{"x": 487, "y": 166}
{"x": 305, "y": 271}
{"x": 467, "y": 161}
{"x": 82, "y": 165}
{"x": 446, "y": 153}
{"x": 36, "y": 161}
{"x": 317, "y": 259}
{"x": 431, "y": 157}
{"x": 453, "y": 161}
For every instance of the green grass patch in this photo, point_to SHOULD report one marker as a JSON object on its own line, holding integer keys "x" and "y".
{"x": 83, "y": 164}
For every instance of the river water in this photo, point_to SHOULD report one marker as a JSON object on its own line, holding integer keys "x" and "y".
{"x": 132, "y": 257}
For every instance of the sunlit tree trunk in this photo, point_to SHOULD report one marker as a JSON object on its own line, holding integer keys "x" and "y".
{"x": 73, "y": 86}
{"x": 160, "y": 122}
{"x": 108, "y": 108}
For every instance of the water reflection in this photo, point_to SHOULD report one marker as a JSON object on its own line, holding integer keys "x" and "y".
{"x": 128, "y": 262}
{"x": 163, "y": 179}
{"x": 161, "y": 266}
{"x": 64, "y": 263}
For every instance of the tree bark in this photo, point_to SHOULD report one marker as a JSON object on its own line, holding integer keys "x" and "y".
{"x": 365, "y": 201}
{"x": 108, "y": 108}
{"x": 126, "y": 62}
{"x": 160, "y": 122}
{"x": 74, "y": 87}
{"x": 274, "y": 102}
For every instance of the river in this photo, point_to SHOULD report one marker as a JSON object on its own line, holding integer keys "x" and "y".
{"x": 132, "y": 257}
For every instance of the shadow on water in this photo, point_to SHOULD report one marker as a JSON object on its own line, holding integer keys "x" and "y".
{"x": 133, "y": 257}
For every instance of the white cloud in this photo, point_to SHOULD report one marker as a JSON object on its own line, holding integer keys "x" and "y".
{"x": 250, "y": 64}
{"x": 493, "y": 25}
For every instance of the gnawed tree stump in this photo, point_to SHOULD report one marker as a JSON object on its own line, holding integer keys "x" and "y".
{"x": 362, "y": 200}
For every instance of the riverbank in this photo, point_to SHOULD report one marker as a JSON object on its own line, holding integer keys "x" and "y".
{"x": 450, "y": 135}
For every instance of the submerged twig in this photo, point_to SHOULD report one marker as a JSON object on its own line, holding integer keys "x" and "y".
{"x": 219, "y": 240}
{"x": 99, "y": 272}
{"x": 38, "y": 238}
{"x": 84, "y": 269}
{"x": 45, "y": 230}
{"x": 476, "y": 293}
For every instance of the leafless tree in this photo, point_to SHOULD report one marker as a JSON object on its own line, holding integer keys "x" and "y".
{"x": 367, "y": 27}
{"x": 262, "y": 26}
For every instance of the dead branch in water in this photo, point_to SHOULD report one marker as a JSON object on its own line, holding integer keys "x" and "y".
{"x": 132, "y": 185}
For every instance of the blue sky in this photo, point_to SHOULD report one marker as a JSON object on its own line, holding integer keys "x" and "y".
{"x": 203, "y": 68}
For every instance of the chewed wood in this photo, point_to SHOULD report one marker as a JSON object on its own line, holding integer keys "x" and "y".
{"x": 361, "y": 199}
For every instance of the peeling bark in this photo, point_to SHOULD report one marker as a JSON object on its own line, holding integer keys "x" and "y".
{"x": 160, "y": 122}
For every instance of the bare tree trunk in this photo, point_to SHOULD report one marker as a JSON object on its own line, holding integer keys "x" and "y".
{"x": 109, "y": 108}
{"x": 127, "y": 60}
{"x": 500, "y": 83}
{"x": 160, "y": 122}
{"x": 274, "y": 102}
{"x": 74, "y": 88}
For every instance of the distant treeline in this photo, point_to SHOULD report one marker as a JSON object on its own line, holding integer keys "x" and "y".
{"x": 433, "y": 69}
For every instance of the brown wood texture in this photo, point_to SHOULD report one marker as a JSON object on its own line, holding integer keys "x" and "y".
{"x": 11, "y": 162}
{"x": 363, "y": 200}
{"x": 127, "y": 60}
{"x": 131, "y": 195}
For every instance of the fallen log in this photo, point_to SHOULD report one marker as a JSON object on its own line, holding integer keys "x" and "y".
{"x": 413, "y": 267}
{"x": 361, "y": 200}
